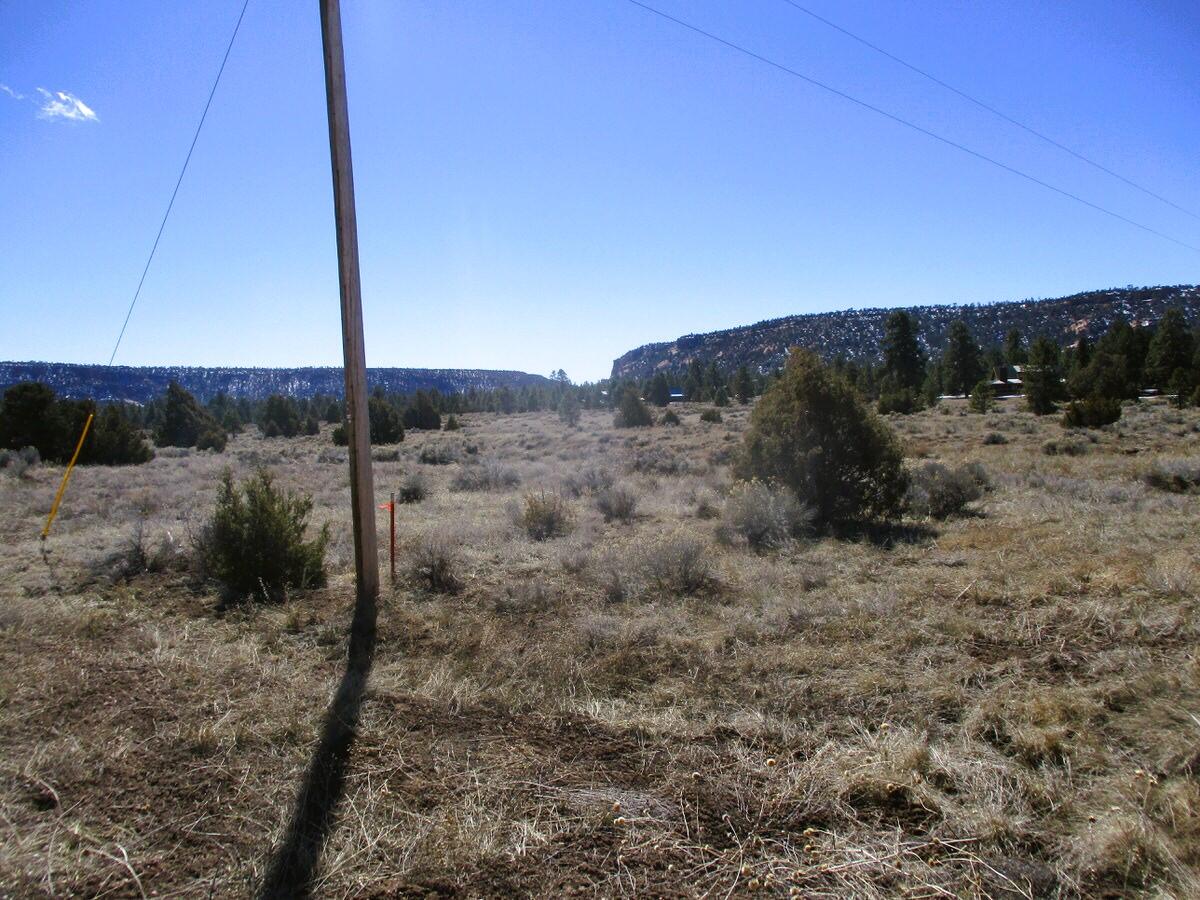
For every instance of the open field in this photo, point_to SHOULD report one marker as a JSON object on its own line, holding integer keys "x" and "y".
{"x": 1005, "y": 703}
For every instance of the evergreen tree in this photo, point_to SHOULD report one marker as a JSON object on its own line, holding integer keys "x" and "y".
{"x": 1043, "y": 377}
{"x": 1122, "y": 340}
{"x": 30, "y": 417}
{"x": 712, "y": 379}
{"x": 659, "y": 390}
{"x": 743, "y": 385}
{"x": 421, "y": 414}
{"x": 961, "y": 367}
{"x": 185, "y": 423}
{"x": 983, "y": 396}
{"x": 931, "y": 388}
{"x": 281, "y": 417}
{"x": 632, "y": 412}
{"x": 568, "y": 409}
{"x": 895, "y": 399}
{"x": 1170, "y": 349}
{"x": 813, "y": 433}
{"x": 1106, "y": 376}
{"x": 386, "y": 425}
{"x": 1014, "y": 348}
{"x": 1083, "y": 351}
{"x": 993, "y": 359}
{"x": 113, "y": 440}
{"x": 693, "y": 383}
{"x": 902, "y": 356}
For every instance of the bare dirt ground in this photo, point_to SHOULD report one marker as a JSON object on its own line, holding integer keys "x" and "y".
{"x": 1003, "y": 704}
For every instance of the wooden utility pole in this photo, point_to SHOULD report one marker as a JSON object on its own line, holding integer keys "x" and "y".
{"x": 362, "y": 488}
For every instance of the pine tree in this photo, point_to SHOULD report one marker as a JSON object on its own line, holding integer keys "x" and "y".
{"x": 1043, "y": 377}
{"x": 1014, "y": 348}
{"x": 1122, "y": 340}
{"x": 902, "y": 356}
{"x": 1083, "y": 350}
{"x": 961, "y": 367}
{"x": 983, "y": 396}
{"x": 743, "y": 385}
{"x": 568, "y": 409}
{"x": 1170, "y": 350}
{"x": 693, "y": 384}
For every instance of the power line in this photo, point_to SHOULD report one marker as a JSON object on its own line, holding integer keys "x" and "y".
{"x": 991, "y": 109}
{"x": 178, "y": 182}
{"x": 895, "y": 118}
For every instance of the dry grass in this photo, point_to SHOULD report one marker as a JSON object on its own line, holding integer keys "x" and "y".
{"x": 1004, "y": 704}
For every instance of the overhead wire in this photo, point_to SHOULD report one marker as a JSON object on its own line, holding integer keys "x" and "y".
{"x": 183, "y": 171}
{"x": 62, "y": 488}
{"x": 908, "y": 124}
{"x": 989, "y": 108}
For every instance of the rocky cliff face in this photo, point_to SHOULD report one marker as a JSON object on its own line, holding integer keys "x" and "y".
{"x": 856, "y": 333}
{"x": 141, "y": 383}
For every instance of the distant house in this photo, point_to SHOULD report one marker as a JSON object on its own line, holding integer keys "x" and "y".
{"x": 1007, "y": 381}
{"x": 676, "y": 395}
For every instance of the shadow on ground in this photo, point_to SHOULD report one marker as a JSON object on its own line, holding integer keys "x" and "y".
{"x": 295, "y": 860}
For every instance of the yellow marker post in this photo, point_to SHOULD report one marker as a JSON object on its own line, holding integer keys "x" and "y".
{"x": 62, "y": 488}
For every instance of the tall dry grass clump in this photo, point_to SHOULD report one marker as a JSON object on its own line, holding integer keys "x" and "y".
{"x": 1177, "y": 476}
{"x": 617, "y": 502}
{"x": 677, "y": 564}
{"x": 436, "y": 563}
{"x": 764, "y": 516}
{"x": 545, "y": 515}
{"x": 937, "y": 491}
{"x": 489, "y": 475}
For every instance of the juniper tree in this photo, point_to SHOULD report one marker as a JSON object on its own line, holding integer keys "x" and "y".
{"x": 659, "y": 390}
{"x": 185, "y": 423}
{"x": 281, "y": 417}
{"x": 632, "y": 412}
{"x": 813, "y": 433}
{"x": 421, "y": 414}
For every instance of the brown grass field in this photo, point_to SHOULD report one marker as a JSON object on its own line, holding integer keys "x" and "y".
{"x": 1002, "y": 704}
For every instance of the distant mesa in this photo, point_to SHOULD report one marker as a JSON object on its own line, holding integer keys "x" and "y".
{"x": 857, "y": 333}
{"x": 139, "y": 384}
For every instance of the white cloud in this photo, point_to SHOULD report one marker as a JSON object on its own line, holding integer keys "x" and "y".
{"x": 6, "y": 89}
{"x": 64, "y": 105}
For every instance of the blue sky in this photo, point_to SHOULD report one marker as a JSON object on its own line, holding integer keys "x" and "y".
{"x": 546, "y": 183}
